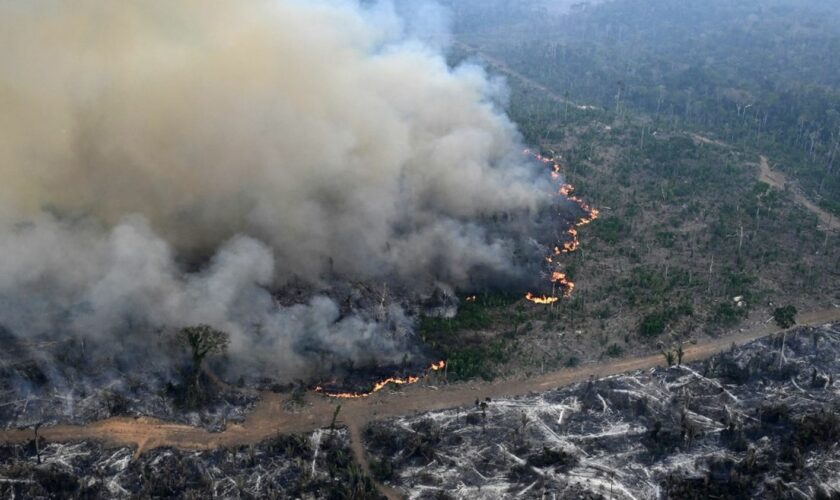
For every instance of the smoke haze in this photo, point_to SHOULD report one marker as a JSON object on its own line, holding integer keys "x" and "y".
{"x": 279, "y": 141}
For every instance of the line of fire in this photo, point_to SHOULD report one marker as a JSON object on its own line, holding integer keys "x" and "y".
{"x": 570, "y": 240}
{"x": 378, "y": 386}
{"x": 562, "y": 286}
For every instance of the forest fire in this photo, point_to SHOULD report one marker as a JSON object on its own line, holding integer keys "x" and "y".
{"x": 571, "y": 236}
{"x": 381, "y": 384}
{"x": 562, "y": 286}
{"x": 543, "y": 300}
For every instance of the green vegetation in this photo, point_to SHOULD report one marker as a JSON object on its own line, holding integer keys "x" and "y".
{"x": 480, "y": 336}
{"x": 202, "y": 341}
{"x": 471, "y": 362}
{"x": 663, "y": 132}
{"x": 471, "y": 316}
{"x": 727, "y": 314}
{"x": 653, "y": 324}
{"x": 763, "y": 75}
{"x": 785, "y": 316}
{"x": 670, "y": 356}
{"x": 611, "y": 229}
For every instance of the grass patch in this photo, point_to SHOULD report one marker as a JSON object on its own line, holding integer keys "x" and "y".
{"x": 463, "y": 339}
{"x": 655, "y": 323}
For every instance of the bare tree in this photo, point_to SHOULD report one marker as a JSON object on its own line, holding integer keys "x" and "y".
{"x": 37, "y": 443}
{"x": 621, "y": 87}
{"x": 669, "y": 357}
{"x": 566, "y": 106}
{"x": 334, "y": 419}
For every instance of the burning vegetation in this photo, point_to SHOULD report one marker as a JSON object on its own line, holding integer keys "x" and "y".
{"x": 570, "y": 238}
{"x": 270, "y": 178}
{"x": 379, "y": 384}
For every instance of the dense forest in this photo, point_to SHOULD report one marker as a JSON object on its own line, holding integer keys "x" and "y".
{"x": 754, "y": 73}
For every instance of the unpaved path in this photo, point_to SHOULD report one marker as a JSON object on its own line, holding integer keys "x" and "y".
{"x": 706, "y": 140}
{"x": 358, "y": 449}
{"x": 779, "y": 181}
{"x": 270, "y": 418}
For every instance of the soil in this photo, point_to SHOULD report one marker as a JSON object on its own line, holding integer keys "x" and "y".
{"x": 779, "y": 181}
{"x": 270, "y": 418}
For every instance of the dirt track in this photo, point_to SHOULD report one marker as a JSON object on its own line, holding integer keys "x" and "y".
{"x": 270, "y": 418}
{"x": 779, "y": 181}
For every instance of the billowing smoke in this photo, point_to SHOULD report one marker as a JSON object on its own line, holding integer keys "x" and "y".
{"x": 168, "y": 163}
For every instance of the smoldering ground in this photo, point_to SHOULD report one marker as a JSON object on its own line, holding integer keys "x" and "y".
{"x": 167, "y": 164}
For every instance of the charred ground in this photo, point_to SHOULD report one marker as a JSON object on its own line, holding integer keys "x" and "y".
{"x": 755, "y": 422}
{"x": 317, "y": 465}
{"x": 687, "y": 225}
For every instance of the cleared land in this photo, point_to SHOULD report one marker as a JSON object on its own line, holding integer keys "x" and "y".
{"x": 270, "y": 416}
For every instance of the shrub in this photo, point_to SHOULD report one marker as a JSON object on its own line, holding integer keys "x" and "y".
{"x": 727, "y": 314}
{"x": 785, "y": 317}
{"x": 653, "y": 324}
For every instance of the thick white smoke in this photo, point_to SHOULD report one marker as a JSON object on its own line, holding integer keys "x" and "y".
{"x": 310, "y": 140}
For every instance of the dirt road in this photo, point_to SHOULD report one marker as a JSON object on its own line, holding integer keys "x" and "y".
{"x": 270, "y": 418}
{"x": 779, "y": 181}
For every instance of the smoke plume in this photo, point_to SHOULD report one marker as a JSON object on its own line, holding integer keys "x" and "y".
{"x": 170, "y": 163}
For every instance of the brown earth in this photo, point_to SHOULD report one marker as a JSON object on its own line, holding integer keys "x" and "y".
{"x": 778, "y": 180}
{"x": 270, "y": 417}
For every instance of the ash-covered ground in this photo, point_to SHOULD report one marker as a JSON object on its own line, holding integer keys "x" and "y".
{"x": 52, "y": 382}
{"x": 44, "y": 381}
{"x": 759, "y": 421}
{"x": 306, "y": 466}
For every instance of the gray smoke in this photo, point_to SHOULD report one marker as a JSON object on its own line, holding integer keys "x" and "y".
{"x": 276, "y": 141}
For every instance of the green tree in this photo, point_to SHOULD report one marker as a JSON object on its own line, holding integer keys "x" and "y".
{"x": 653, "y": 324}
{"x": 202, "y": 340}
{"x": 785, "y": 316}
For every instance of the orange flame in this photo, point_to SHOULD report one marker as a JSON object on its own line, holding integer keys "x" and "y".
{"x": 378, "y": 386}
{"x": 543, "y": 300}
{"x": 572, "y": 242}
